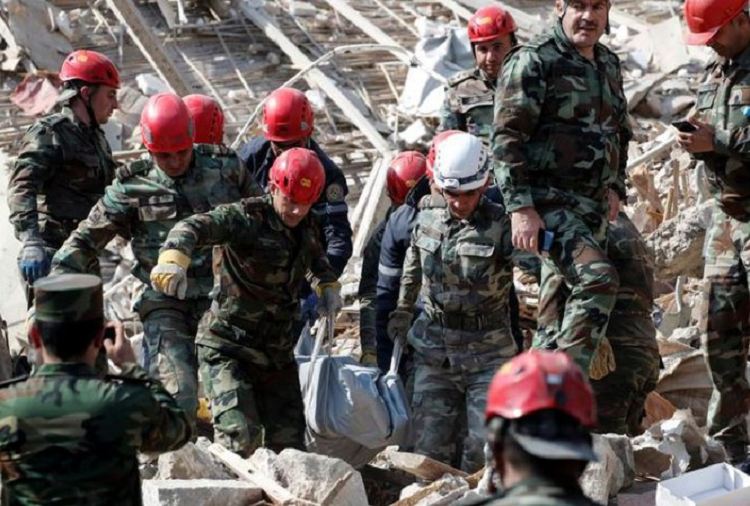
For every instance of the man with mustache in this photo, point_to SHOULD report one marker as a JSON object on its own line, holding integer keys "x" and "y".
{"x": 560, "y": 149}
{"x": 720, "y": 139}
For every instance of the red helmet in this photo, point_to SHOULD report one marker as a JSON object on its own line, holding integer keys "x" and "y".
{"x": 166, "y": 126}
{"x": 91, "y": 67}
{"x": 705, "y": 17}
{"x": 538, "y": 380}
{"x": 490, "y": 23}
{"x": 299, "y": 175}
{"x": 403, "y": 174}
{"x": 287, "y": 116}
{"x": 208, "y": 119}
{"x": 433, "y": 149}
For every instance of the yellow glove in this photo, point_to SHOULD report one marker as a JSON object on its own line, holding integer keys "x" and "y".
{"x": 369, "y": 358}
{"x": 170, "y": 274}
{"x": 603, "y": 361}
{"x": 330, "y": 301}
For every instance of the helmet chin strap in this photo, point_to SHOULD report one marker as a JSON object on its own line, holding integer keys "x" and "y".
{"x": 93, "y": 123}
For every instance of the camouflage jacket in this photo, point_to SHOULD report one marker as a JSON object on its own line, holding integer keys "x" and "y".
{"x": 144, "y": 203}
{"x": 630, "y": 323}
{"x": 561, "y": 123}
{"x": 368, "y": 283}
{"x": 70, "y": 438}
{"x": 261, "y": 263}
{"x": 468, "y": 105}
{"x": 60, "y": 173}
{"x": 722, "y": 96}
{"x": 463, "y": 272}
{"x": 536, "y": 491}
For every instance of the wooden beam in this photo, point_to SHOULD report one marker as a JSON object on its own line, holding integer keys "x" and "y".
{"x": 151, "y": 47}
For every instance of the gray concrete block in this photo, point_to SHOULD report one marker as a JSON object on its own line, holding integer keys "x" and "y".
{"x": 203, "y": 492}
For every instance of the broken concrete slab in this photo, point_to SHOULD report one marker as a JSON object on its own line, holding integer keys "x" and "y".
{"x": 29, "y": 24}
{"x": 604, "y": 478}
{"x": 685, "y": 381}
{"x": 623, "y": 449}
{"x": 442, "y": 492}
{"x": 203, "y": 492}
{"x": 192, "y": 462}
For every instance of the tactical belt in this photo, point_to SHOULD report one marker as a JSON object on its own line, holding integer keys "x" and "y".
{"x": 459, "y": 321}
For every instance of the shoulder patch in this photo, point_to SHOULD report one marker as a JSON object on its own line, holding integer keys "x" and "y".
{"x": 126, "y": 171}
{"x": 13, "y": 381}
{"x": 335, "y": 193}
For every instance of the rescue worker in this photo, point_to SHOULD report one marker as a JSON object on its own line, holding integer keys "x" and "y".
{"x": 470, "y": 94}
{"x": 176, "y": 180}
{"x": 560, "y": 150}
{"x": 540, "y": 410}
{"x": 268, "y": 247}
{"x": 720, "y": 138}
{"x": 631, "y": 334}
{"x": 64, "y": 164}
{"x": 208, "y": 119}
{"x": 288, "y": 122}
{"x": 66, "y": 436}
{"x": 405, "y": 170}
{"x": 459, "y": 262}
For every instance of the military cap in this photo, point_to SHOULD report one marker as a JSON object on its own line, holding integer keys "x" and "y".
{"x": 69, "y": 298}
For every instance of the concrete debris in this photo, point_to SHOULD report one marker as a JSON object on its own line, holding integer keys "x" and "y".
{"x": 685, "y": 381}
{"x": 203, "y": 492}
{"x": 192, "y": 462}
{"x": 442, "y": 492}
{"x": 151, "y": 84}
{"x": 604, "y": 478}
{"x": 678, "y": 442}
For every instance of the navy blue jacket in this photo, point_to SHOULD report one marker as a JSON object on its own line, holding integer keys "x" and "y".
{"x": 331, "y": 208}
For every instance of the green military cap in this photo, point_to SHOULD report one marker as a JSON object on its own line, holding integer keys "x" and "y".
{"x": 68, "y": 298}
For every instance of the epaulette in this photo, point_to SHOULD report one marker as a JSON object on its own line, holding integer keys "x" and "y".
{"x": 128, "y": 379}
{"x": 126, "y": 171}
{"x": 432, "y": 202}
{"x": 214, "y": 150}
{"x": 54, "y": 119}
{"x": 13, "y": 381}
{"x": 460, "y": 77}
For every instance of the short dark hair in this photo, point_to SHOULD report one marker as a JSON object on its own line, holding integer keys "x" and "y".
{"x": 67, "y": 340}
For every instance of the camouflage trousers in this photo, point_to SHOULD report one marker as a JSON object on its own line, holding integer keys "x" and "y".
{"x": 728, "y": 332}
{"x": 441, "y": 399}
{"x": 578, "y": 254}
{"x": 621, "y": 395}
{"x": 169, "y": 329}
{"x": 252, "y": 405}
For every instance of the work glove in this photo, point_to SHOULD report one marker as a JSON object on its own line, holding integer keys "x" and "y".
{"x": 603, "y": 361}
{"x": 368, "y": 358}
{"x": 33, "y": 261}
{"x": 170, "y": 274}
{"x": 329, "y": 295}
{"x": 399, "y": 324}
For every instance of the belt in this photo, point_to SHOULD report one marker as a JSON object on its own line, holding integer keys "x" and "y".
{"x": 458, "y": 321}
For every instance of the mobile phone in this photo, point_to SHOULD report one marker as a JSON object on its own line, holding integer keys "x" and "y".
{"x": 545, "y": 239}
{"x": 109, "y": 333}
{"x": 684, "y": 126}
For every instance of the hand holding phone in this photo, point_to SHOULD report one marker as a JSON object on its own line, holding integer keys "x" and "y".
{"x": 684, "y": 126}
{"x": 545, "y": 239}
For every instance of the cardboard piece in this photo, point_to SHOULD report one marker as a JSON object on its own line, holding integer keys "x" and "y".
{"x": 717, "y": 485}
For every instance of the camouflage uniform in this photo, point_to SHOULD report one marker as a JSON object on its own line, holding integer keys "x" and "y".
{"x": 468, "y": 104}
{"x": 722, "y": 96}
{"x": 245, "y": 341}
{"x": 560, "y": 142}
{"x": 62, "y": 170}
{"x": 621, "y": 395}
{"x": 70, "y": 438}
{"x": 143, "y": 204}
{"x": 536, "y": 491}
{"x": 367, "y": 292}
{"x": 463, "y": 271}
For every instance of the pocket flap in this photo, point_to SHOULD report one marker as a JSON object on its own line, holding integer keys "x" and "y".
{"x": 476, "y": 250}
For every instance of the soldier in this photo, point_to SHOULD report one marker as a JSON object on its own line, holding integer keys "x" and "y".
{"x": 268, "y": 247}
{"x": 560, "y": 149}
{"x": 208, "y": 119}
{"x": 721, "y": 125}
{"x": 539, "y": 412}
{"x": 405, "y": 170}
{"x": 469, "y": 95}
{"x": 67, "y": 436}
{"x": 459, "y": 262}
{"x": 64, "y": 164}
{"x": 631, "y": 334}
{"x": 288, "y": 123}
{"x": 148, "y": 197}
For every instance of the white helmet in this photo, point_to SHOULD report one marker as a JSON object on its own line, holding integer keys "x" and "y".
{"x": 461, "y": 163}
